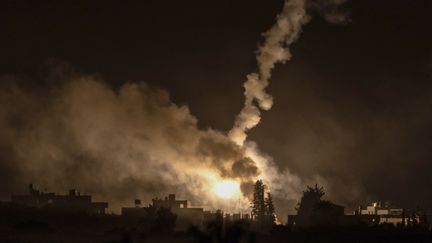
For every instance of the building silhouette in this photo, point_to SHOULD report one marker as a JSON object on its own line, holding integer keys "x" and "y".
{"x": 321, "y": 213}
{"x": 73, "y": 201}
{"x": 328, "y": 214}
{"x": 186, "y": 216}
{"x": 383, "y": 212}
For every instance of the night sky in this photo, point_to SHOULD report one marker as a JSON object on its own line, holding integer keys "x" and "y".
{"x": 352, "y": 109}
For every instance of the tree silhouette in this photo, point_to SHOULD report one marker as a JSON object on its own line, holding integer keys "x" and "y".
{"x": 258, "y": 203}
{"x": 263, "y": 210}
{"x": 311, "y": 197}
{"x": 269, "y": 209}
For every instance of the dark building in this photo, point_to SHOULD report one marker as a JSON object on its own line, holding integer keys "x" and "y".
{"x": 322, "y": 213}
{"x": 186, "y": 216}
{"x": 74, "y": 201}
{"x": 170, "y": 202}
{"x": 329, "y": 214}
{"x": 384, "y": 213}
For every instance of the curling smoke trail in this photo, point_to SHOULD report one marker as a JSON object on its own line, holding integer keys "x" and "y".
{"x": 275, "y": 49}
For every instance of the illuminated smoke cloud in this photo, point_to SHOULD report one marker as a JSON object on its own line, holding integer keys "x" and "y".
{"x": 118, "y": 144}
{"x": 133, "y": 142}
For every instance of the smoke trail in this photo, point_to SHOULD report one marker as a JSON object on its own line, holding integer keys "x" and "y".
{"x": 275, "y": 49}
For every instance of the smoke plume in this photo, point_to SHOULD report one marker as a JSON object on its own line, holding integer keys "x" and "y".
{"x": 115, "y": 144}
{"x": 133, "y": 142}
{"x": 275, "y": 49}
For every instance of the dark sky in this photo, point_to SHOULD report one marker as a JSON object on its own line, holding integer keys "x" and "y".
{"x": 353, "y": 106}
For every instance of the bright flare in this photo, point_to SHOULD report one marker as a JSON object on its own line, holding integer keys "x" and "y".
{"x": 227, "y": 188}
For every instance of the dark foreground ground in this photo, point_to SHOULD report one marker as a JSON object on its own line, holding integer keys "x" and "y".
{"x": 281, "y": 235}
{"x": 51, "y": 226}
{"x": 97, "y": 231}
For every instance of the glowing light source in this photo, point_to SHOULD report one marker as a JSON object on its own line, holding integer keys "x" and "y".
{"x": 227, "y": 188}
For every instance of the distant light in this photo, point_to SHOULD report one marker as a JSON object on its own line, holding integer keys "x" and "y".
{"x": 227, "y": 188}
